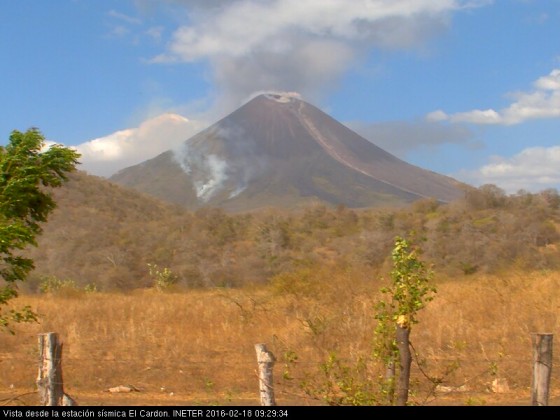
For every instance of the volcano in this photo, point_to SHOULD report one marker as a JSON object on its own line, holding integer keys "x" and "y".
{"x": 280, "y": 151}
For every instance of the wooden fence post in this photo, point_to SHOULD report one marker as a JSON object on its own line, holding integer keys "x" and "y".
{"x": 49, "y": 379}
{"x": 265, "y": 360}
{"x": 542, "y": 368}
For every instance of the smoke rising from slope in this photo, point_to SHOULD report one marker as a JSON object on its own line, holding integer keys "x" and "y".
{"x": 211, "y": 170}
{"x": 208, "y": 170}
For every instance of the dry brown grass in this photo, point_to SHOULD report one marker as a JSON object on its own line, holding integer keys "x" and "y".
{"x": 197, "y": 347}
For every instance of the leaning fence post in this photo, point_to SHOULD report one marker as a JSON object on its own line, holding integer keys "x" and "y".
{"x": 49, "y": 379}
{"x": 542, "y": 368}
{"x": 265, "y": 361}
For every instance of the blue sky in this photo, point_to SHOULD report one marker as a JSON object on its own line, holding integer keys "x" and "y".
{"x": 467, "y": 88}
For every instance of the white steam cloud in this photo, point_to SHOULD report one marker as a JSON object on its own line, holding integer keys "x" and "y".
{"x": 295, "y": 45}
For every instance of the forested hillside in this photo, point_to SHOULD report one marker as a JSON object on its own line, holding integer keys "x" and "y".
{"x": 105, "y": 236}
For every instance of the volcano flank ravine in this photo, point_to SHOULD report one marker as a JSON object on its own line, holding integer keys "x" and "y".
{"x": 277, "y": 150}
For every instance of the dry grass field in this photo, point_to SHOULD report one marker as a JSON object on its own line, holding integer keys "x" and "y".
{"x": 196, "y": 347}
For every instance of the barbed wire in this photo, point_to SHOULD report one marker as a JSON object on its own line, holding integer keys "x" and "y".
{"x": 252, "y": 360}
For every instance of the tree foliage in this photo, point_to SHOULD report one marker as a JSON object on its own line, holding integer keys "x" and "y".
{"x": 163, "y": 279}
{"x": 411, "y": 289}
{"x": 409, "y": 292}
{"x": 26, "y": 171}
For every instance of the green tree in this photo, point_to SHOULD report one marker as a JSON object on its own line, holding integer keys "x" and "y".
{"x": 26, "y": 171}
{"x": 163, "y": 279}
{"x": 409, "y": 292}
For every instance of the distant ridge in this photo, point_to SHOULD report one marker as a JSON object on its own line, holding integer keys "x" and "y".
{"x": 277, "y": 150}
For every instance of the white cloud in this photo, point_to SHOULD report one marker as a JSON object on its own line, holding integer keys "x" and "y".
{"x": 437, "y": 116}
{"x": 243, "y": 25}
{"x": 106, "y": 155}
{"x": 119, "y": 31}
{"x": 124, "y": 18}
{"x": 155, "y": 32}
{"x": 542, "y": 102}
{"x": 533, "y": 169}
{"x": 550, "y": 82}
{"x": 295, "y": 45}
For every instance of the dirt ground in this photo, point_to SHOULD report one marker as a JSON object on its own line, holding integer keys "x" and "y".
{"x": 21, "y": 397}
